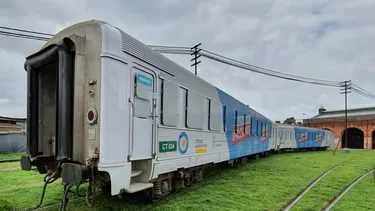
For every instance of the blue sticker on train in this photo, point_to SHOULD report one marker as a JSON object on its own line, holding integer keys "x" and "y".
{"x": 144, "y": 80}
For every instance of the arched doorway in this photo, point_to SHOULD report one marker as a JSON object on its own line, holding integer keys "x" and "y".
{"x": 327, "y": 129}
{"x": 355, "y": 138}
{"x": 373, "y": 139}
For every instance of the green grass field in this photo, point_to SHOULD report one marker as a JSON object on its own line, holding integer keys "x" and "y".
{"x": 265, "y": 184}
{"x": 357, "y": 162}
{"x": 4, "y": 156}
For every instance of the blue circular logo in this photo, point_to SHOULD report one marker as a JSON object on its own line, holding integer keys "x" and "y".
{"x": 183, "y": 143}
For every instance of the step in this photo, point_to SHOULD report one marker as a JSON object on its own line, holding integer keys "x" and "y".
{"x": 136, "y": 172}
{"x": 138, "y": 186}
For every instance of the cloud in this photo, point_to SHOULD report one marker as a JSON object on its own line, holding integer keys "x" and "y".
{"x": 333, "y": 40}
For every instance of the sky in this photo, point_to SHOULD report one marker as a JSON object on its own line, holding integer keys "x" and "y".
{"x": 332, "y": 40}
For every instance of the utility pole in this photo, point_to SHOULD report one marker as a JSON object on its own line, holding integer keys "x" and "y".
{"x": 196, "y": 56}
{"x": 347, "y": 87}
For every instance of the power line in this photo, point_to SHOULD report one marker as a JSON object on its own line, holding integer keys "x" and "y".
{"x": 249, "y": 67}
{"x": 27, "y": 31}
{"x": 34, "y": 35}
{"x": 363, "y": 93}
{"x": 18, "y": 35}
{"x": 208, "y": 54}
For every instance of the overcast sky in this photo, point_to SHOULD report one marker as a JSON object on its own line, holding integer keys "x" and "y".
{"x": 332, "y": 40}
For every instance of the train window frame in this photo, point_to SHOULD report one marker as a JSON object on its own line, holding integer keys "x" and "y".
{"x": 224, "y": 107}
{"x": 251, "y": 126}
{"x": 169, "y": 92}
{"x": 209, "y": 114}
{"x": 244, "y": 124}
{"x": 195, "y": 110}
{"x": 235, "y": 120}
{"x": 215, "y": 119}
{"x": 186, "y": 107}
{"x": 265, "y": 130}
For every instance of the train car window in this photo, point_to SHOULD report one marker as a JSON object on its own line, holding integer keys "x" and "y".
{"x": 182, "y": 107}
{"x": 251, "y": 126}
{"x": 235, "y": 121}
{"x": 224, "y": 118}
{"x": 169, "y": 99}
{"x": 244, "y": 124}
{"x": 258, "y": 128}
{"x": 269, "y": 130}
{"x": 291, "y": 135}
{"x": 195, "y": 111}
{"x": 274, "y": 132}
{"x": 186, "y": 107}
{"x": 262, "y": 129}
{"x": 209, "y": 114}
{"x": 215, "y": 116}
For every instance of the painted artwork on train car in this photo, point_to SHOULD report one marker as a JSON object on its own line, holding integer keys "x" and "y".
{"x": 307, "y": 138}
{"x": 242, "y": 129}
{"x": 250, "y": 142}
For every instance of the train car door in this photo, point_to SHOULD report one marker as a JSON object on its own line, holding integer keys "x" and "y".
{"x": 143, "y": 114}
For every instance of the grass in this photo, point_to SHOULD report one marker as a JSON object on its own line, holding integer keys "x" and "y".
{"x": 265, "y": 184}
{"x": 359, "y": 197}
{"x": 4, "y": 156}
{"x": 357, "y": 162}
{"x": 22, "y": 189}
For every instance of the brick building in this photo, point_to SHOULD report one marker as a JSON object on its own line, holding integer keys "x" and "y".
{"x": 361, "y": 126}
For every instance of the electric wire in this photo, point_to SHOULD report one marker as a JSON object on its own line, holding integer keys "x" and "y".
{"x": 248, "y": 67}
{"x": 19, "y": 35}
{"x": 34, "y": 35}
{"x": 27, "y": 31}
{"x": 188, "y": 50}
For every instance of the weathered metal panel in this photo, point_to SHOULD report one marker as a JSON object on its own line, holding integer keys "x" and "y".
{"x": 12, "y": 142}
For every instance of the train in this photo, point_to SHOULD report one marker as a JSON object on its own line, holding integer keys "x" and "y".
{"x": 105, "y": 109}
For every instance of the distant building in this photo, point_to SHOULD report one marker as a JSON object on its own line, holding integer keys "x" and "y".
{"x": 12, "y": 134}
{"x": 12, "y": 125}
{"x": 361, "y": 126}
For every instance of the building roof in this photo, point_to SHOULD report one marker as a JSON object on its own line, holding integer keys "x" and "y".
{"x": 341, "y": 113}
{"x": 11, "y": 118}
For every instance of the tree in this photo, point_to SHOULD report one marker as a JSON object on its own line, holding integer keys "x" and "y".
{"x": 290, "y": 121}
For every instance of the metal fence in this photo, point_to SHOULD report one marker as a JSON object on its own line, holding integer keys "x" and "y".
{"x": 12, "y": 142}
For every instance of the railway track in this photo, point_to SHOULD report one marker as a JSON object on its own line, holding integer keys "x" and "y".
{"x": 335, "y": 199}
{"x": 292, "y": 202}
{"x": 9, "y": 160}
{"x": 71, "y": 201}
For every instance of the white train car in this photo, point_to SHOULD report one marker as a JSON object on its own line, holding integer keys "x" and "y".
{"x": 104, "y": 107}
{"x": 298, "y": 137}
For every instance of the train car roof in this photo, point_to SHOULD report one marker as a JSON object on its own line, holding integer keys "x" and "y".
{"x": 168, "y": 67}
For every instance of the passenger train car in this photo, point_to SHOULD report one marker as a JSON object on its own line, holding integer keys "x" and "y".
{"x": 104, "y": 108}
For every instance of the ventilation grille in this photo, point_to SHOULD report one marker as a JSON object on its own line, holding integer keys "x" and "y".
{"x": 134, "y": 47}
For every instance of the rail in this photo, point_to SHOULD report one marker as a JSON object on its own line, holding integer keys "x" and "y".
{"x": 346, "y": 189}
{"x": 292, "y": 202}
{"x": 9, "y": 160}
